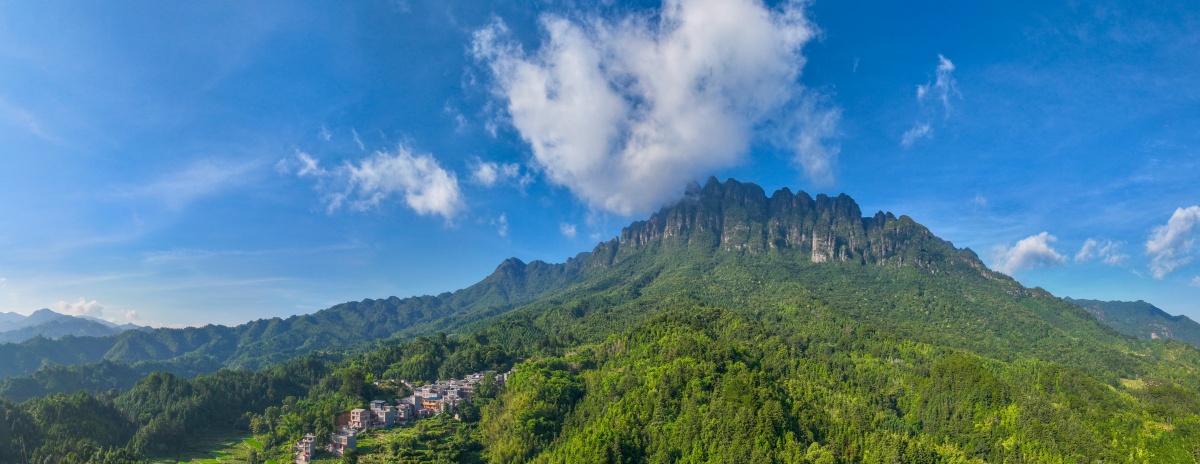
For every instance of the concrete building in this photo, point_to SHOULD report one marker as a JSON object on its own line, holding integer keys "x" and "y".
{"x": 360, "y": 418}
{"x": 305, "y": 448}
{"x": 342, "y": 441}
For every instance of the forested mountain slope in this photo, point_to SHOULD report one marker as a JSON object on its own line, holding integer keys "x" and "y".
{"x": 729, "y": 327}
{"x": 1142, "y": 320}
{"x": 262, "y": 342}
{"x": 733, "y": 327}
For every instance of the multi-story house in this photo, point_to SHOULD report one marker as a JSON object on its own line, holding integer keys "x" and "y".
{"x": 342, "y": 441}
{"x": 305, "y": 448}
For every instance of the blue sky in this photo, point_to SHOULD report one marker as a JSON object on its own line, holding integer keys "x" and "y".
{"x": 179, "y": 164}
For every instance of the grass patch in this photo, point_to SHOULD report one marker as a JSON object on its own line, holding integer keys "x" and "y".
{"x": 215, "y": 448}
{"x": 1133, "y": 384}
{"x": 437, "y": 439}
{"x": 253, "y": 443}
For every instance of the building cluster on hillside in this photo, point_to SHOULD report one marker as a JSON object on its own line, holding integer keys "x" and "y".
{"x": 442, "y": 397}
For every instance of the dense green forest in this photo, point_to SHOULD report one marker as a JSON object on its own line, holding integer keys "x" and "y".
{"x": 731, "y": 327}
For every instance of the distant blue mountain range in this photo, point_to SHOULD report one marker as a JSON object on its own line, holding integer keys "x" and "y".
{"x": 16, "y": 328}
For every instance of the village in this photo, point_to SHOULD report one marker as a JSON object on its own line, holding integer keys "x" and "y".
{"x": 442, "y": 397}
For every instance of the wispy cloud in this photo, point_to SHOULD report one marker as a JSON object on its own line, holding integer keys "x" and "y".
{"x": 191, "y": 255}
{"x": 501, "y": 224}
{"x": 809, "y": 134}
{"x": 460, "y": 121}
{"x": 190, "y": 284}
{"x": 1170, "y": 245}
{"x": 1107, "y": 251}
{"x": 626, "y": 112}
{"x": 419, "y": 179}
{"x": 944, "y": 88}
{"x": 203, "y": 178}
{"x": 979, "y": 201}
{"x": 1029, "y": 253}
{"x": 1196, "y": 281}
{"x": 488, "y": 173}
{"x": 918, "y": 131}
{"x": 25, "y": 120}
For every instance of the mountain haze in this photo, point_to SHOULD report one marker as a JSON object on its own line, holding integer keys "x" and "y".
{"x": 734, "y": 221}
{"x": 16, "y": 328}
{"x": 1142, "y": 320}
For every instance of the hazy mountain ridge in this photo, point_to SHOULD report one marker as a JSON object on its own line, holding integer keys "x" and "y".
{"x": 1142, "y": 320}
{"x": 885, "y": 344}
{"x": 261, "y": 342}
{"x": 791, "y": 231}
{"x": 16, "y": 328}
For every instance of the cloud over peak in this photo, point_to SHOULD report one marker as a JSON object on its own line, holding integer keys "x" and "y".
{"x": 80, "y": 307}
{"x": 84, "y": 307}
{"x": 1170, "y": 245}
{"x": 1029, "y": 253}
{"x": 625, "y": 112}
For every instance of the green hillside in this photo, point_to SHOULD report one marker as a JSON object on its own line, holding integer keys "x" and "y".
{"x": 1142, "y": 320}
{"x": 260, "y": 343}
{"x": 729, "y": 327}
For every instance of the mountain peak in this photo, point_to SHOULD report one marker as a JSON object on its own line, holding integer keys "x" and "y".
{"x": 43, "y": 315}
{"x": 740, "y": 217}
{"x": 510, "y": 267}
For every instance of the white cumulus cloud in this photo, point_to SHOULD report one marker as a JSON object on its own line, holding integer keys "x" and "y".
{"x": 1107, "y": 251}
{"x": 1031, "y": 252}
{"x": 626, "y": 112}
{"x": 418, "y": 179}
{"x": 1170, "y": 245}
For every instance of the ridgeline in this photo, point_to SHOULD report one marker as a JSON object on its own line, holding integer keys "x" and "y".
{"x": 728, "y": 327}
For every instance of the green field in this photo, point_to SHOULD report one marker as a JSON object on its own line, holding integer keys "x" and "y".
{"x": 437, "y": 439}
{"x": 217, "y": 448}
